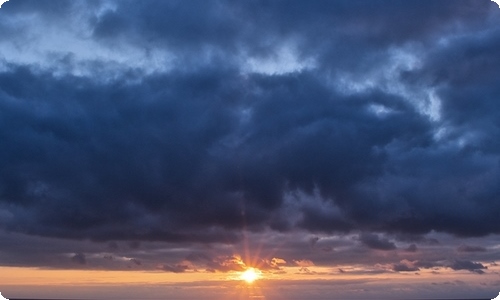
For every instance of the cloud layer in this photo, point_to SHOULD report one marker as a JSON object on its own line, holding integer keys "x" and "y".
{"x": 167, "y": 121}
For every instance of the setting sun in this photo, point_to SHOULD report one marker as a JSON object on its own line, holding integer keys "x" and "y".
{"x": 250, "y": 275}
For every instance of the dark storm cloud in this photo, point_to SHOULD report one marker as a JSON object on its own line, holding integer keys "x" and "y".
{"x": 457, "y": 264}
{"x": 373, "y": 241}
{"x": 77, "y": 172}
{"x": 203, "y": 148}
{"x": 468, "y": 265}
{"x": 143, "y": 157}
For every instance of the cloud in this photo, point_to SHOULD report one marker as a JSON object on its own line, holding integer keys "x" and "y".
{"x": 405, "y": 266}
{"x": 468, "y": 265}
{"x": 373, "y": 241}
{"x": 174, "y": 268}
{"x": 358, "y": 121}
{"x": 225, "y": 264}
{"x": 468, "y": 248}
{"x": 79, "y": 258}
{"x": 428, "y": 264}
{"x": 412, "y": 248}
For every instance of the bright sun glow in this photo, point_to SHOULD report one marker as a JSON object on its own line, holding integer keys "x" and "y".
{"x": 250, "y": 275}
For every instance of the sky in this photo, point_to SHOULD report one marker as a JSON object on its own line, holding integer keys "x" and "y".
{"x": 344, "y": 149}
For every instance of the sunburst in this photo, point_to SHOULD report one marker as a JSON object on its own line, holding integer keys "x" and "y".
{"x": 250, "y": 275}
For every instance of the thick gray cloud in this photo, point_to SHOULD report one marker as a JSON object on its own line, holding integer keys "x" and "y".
{"x": 373, "y": 241}
{"x": 404, "y": 268}
{"x": 189, "y": 122}
{"x": 468, "y": 265}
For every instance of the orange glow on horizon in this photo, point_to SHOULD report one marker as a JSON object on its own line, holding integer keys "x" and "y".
{"x": 39, "y": 276}
{"x": 21, "y": 276}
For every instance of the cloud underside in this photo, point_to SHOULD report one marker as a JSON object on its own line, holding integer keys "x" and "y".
{"x": 166, "y": 121}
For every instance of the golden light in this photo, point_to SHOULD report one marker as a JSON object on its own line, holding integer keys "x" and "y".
{"x": 250, "y": 275}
